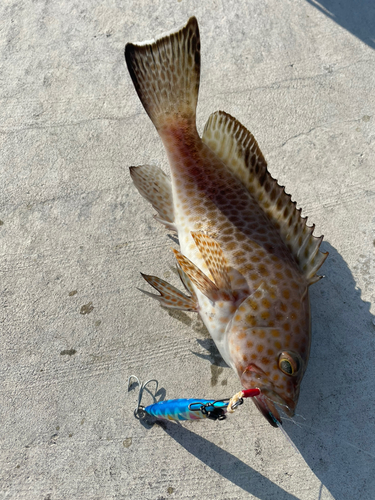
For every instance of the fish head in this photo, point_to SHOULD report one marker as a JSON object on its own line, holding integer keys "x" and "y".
{"x": 279, "y": 383}
{"x": 269, "y": 344}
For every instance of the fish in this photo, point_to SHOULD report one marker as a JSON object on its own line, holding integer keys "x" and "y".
{"x": 247, "y": 256}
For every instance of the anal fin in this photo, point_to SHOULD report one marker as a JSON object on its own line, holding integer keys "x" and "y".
{"x": 170, "y": 296}
{"x": 154, "y": 185}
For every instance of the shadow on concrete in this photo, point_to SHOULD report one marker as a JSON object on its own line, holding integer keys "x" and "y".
{"x": 337, "y": 439}
{"x": 356, "y": 17}
{"x": 227, "y": 465}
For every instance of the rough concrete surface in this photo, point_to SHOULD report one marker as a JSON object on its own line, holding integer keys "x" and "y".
{"x": 75, "y": 234}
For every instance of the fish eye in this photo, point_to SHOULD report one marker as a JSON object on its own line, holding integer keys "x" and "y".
{"x": 289, "y": 363}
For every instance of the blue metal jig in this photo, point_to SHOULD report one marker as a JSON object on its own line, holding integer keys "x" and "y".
{"x": 189, "y": 409}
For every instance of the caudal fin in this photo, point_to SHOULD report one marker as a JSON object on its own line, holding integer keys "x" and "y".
{"x": 166, "y": 73}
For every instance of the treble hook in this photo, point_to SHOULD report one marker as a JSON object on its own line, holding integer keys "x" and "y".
{"x": 142, "y": 387}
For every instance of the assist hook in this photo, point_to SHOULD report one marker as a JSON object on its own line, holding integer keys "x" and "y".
{"x": 142, "y": 387}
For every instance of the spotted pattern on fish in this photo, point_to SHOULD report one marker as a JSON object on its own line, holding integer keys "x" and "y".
{"x": 246, "y": 255}
{"x": 238, "y": 149}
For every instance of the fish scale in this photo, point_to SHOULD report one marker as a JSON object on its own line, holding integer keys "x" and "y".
{"x": 246, "y": 256}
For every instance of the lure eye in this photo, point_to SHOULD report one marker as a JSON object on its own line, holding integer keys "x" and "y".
{"x": 289, "y": 363}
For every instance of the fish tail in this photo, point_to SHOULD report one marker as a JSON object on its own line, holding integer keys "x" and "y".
{"x": 165, "y": 73}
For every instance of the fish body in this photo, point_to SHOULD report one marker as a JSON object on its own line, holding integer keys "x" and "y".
{"x": 246, "y": 256}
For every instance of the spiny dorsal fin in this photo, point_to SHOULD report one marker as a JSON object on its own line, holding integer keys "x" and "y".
{"x": 238, "y": 149}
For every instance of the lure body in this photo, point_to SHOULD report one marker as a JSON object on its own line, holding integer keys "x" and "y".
{"x": 246, "y": 256}
{"x": 195, "y": 409}
{"x": 185, "y": 409}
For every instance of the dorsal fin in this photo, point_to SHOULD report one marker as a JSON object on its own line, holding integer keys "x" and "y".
{"x": 238, "y": 149}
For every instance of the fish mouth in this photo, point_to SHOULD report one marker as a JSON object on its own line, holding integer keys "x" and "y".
{"x": 268, "y": 410}
{"x": 267, "y": 403}
{"x": 269, "y": 398}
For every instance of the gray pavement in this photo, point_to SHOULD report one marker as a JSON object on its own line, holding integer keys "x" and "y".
{"x": 75, "y": 234}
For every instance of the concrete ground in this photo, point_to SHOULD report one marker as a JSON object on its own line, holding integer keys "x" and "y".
{"x": 75, "y": 234}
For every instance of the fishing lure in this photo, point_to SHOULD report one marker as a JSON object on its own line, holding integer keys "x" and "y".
{"x": 190, "y": 409}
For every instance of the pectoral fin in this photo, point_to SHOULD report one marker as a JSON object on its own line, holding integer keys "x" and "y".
{"x": 214, "y": 259}
{"x": 196, "y": 276}
{"x": 219, "y": 288}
